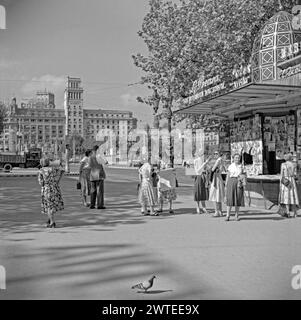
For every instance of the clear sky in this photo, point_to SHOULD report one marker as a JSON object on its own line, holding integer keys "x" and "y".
{"x": 47, "y": 40}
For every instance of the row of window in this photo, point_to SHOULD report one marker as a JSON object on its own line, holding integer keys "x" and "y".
{"x": 75, "y": 114}
{"x": 74, "y": 108}
{"x": 74, "y": 95}
{"x": 74, "y": 84}
{"x": 41, "y": 120}
{"x": 117, "y": 115}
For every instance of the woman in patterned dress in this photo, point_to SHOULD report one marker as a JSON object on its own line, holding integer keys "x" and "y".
{"x": 146, "y": 191}
{"x": 51, "y": 197}
{"x": 84, "y": 177}
{"x": 288, "y": 195}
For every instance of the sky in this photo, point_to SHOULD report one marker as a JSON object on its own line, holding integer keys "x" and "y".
{"x": 47, "y": 40}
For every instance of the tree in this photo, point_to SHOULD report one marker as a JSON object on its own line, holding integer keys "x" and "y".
{"x": 194, "y": 38}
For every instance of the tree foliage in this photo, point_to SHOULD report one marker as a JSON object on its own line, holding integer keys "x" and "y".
{"x": 197, "y": 37}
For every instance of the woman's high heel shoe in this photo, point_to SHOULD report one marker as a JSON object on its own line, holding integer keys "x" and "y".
{"x": 52, "y": 225}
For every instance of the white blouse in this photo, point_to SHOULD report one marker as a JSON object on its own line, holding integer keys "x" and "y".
{"x": 234, "y": 170}
{"x": 199, "y": 166}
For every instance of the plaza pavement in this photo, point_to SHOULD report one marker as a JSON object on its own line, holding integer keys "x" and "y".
{"x": 100, "y": 254}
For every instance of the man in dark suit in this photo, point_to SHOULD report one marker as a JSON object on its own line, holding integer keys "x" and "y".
{"x": 97, "y": 177}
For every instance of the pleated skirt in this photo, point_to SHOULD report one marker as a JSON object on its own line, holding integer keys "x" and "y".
{"x": 201, "y": 192}
{"x": 234, "y": 194}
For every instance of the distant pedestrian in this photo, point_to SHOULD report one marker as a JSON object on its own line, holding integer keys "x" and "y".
{"x": 201, "y": 183}
{"x": 288, "y": 195}
{"x": 97, "y": 177}
{"x": 84, "y": 177}
{"x": 155, "y": 181}
{"x": 235, "y": 183}
{"x": 146, "y": 191}
{"x": 217, "y": 189}
{"x": 51, "y": 196}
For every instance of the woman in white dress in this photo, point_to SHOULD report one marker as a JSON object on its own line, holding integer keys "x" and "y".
{"x": 235, "y": 182}
{"x": 201, "y": 183}
{"x": 217, "y": 189}
{"x": 288, "y": 195}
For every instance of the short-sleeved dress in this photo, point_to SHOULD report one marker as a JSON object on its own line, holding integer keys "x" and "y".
{"x": 217, "y": 188}
{"x": 288, "y": 195}
{"x": 201, "y": 181}
{"x": 235, "y": 191}
{"x": 84, "y": 176}
{"x": 146, "y": 192}
{"x": 51, "y": 196}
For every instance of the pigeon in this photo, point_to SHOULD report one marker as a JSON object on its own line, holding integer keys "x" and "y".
{"x": 145, "y": 285}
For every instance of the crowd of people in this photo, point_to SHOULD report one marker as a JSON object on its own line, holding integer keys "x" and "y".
{"x": 209, "y": 185}
{"x": 91, "y": 184}
{"x": 157, "y": 186}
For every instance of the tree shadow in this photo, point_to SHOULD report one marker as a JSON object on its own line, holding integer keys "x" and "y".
{"x": 90, "y": 272}
{"x": 22, "y": 209}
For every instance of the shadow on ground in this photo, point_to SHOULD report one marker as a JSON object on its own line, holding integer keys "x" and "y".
{"x": 93, "y": 272}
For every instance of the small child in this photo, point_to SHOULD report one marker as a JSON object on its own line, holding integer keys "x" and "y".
{"x": 167, "y": 187}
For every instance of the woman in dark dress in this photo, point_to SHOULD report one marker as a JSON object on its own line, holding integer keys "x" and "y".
{"x": 201, "y": 183}
{"x": 235, "y": 187}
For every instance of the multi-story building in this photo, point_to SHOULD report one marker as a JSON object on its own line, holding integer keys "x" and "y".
{"x": 42, "y": 100}
{"x": 37, "y": 123}
{"x": 100, "y": 123}
{"x": 29, "y": 127}
{"x": 73, "y": 107}
{"x": 92, "y": 123}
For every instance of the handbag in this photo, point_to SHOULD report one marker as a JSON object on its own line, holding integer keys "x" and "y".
{"x": 242, "y": 181}
{"x": 285, "y": 182}
{"x": 78, "y": 185}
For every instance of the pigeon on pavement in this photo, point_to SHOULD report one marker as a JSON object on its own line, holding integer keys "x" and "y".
{"x": 145, "y": 285}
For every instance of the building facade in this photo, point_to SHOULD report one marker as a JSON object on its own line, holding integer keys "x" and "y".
{"x": 37, "y": 123}
{"x": 73, "y": 107}
{"x": 92, "y": 123}
{"x": 30, "y": 126}
{"x": 100, "y": 123}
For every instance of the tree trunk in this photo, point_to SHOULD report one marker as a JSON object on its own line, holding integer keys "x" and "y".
{"x": 171, "y": 149}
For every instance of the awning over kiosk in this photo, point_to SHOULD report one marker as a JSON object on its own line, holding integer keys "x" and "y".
{"x": 248, "y": 98}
